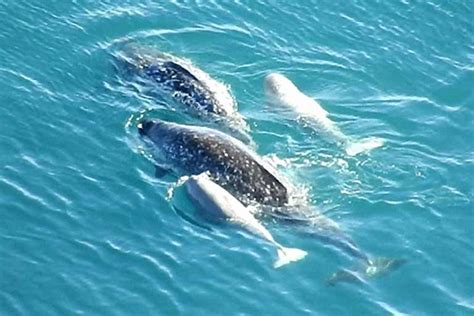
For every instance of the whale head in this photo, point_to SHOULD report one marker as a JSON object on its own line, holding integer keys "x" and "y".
{"x": 156, "y": 135}
{"x": 145, "y": 126}
{"x": 155, "y": 129}
{"x": 277, "y": 85}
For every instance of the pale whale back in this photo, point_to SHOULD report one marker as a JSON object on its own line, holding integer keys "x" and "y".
{"x": 217, "y": 201}
{"x": 280, "y": 91}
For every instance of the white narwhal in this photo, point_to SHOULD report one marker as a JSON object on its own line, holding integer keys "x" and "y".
{"x": 281, "y": 91}
{"x": 219, "y": 203}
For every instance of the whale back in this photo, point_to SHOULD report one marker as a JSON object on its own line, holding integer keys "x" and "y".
{"x": 277, "y": 85}
{"x": 280, "y": 90}
{"x": 194, "y": 150}
{"x": 178, "y": 78}
{"x": 214, "y": 199}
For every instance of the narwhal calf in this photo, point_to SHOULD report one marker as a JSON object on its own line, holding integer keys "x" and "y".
{"x": 218, "y": 203}
{"x": 280, "y": 91}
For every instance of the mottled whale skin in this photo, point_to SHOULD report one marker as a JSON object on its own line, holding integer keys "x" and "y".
{"x": 190, "y": 86}
{"x": 185, "y": 86}
{"x": 191, "y": 150}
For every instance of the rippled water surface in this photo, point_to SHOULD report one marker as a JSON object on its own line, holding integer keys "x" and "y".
{"x": 86, "y": 228}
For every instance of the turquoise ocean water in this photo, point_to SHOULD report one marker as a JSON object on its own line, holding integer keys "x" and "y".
{"x": 87, "y": 229}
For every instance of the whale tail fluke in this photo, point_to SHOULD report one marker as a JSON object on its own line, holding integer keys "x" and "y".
{"x": 373, "y": 268}
{"x": 367, "y": 144}
{"x": 288, "y": 255}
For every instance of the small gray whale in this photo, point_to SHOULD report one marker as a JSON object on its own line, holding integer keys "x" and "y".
{"x": 191, "y": 150}
{"x": 219, "y": 203}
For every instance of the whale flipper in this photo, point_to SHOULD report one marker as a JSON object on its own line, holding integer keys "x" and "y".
{"x": 379, "y": 266}
{"x": 190, "y": 220}
{"x": 160, "y": 171}
{"x": 375, "y": 267}
{"x": 344, "y": 275}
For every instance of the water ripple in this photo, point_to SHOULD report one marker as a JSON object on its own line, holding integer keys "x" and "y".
{"x": 88, "y": 229}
